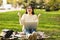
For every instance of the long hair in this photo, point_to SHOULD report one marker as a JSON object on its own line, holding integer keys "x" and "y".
{"x": 32, "y": 10}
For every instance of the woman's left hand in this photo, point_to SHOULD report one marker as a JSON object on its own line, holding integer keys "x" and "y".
{"x": 39, "y": 15}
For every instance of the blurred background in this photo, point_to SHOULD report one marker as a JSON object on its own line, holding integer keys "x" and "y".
{"x": 48, "y": 5}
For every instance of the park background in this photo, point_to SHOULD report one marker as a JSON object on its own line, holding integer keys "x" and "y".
{"x": 49, "y": 21}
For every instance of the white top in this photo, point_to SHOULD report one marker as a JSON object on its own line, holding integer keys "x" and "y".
{"x": 29, "y": 20}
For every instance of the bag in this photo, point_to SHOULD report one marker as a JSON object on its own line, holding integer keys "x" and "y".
{"x": 8, "y": 34}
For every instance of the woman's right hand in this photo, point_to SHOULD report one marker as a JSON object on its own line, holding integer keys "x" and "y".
{"x": 19, "y": 14}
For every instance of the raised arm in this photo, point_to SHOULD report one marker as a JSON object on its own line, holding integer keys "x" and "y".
{"x": 39, "y": 15}
{"x": 19, "y": 15}
{"x": 22, "y": 20}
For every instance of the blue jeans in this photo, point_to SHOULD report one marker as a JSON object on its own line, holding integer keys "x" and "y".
{"x": 29, "y": 30}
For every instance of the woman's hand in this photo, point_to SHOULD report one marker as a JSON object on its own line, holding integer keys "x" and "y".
{"x": 39, "y": 15}
{"x": 19, "y": 14}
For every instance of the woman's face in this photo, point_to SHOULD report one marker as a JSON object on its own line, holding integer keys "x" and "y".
{"x": 29, "y": 9}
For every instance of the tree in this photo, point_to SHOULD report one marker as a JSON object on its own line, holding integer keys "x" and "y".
{"x": 0, "y": 2}
{"x": 52, "y": 5}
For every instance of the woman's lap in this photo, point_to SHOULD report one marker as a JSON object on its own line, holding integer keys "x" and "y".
{"x": 29, "y": 30}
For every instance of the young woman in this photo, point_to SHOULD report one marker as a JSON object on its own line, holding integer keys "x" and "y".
{"x": 29, "y": 21}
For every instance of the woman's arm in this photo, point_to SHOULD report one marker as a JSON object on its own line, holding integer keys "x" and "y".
{"x": 37, "y": 18}
{"x": 22, "y": 20}
{"x": 39, "y": 15}
{"x": 19, "y": 15}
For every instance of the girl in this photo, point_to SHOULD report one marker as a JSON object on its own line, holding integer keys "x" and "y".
{"x": 29, "y": 21}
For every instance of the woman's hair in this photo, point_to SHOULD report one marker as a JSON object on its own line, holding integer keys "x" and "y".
{"x": 32, "y": 9}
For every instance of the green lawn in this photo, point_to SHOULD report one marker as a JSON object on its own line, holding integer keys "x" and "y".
{"x": 49, "y": 22}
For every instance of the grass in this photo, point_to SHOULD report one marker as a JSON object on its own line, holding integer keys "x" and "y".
{"x": 49, "y": 22}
